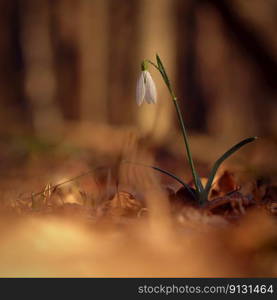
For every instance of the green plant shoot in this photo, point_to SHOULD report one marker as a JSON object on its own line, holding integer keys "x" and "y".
{"x": 201, "y": 192}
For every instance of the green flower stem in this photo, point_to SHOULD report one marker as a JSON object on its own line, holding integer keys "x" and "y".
{"x": 185, "y": 136}
{"x": 197, "y": 182}
{"x": 202, "y": 194}
{"x": 198, "y": 186}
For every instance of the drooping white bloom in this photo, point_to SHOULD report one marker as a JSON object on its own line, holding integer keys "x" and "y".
{"x": 146, "y": 89}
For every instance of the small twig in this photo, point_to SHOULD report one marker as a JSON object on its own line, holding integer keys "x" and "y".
{"x": 54, "y": 187}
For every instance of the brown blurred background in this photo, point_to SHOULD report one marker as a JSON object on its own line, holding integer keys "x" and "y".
{"x": 68, "y": 63}
{"x": 68, "y": 72}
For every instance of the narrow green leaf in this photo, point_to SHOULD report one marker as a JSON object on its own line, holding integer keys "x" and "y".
{"x": 222, "y": 158}
{"x": 199, "y": 183}
{"x": 191, "y": 190}
{"x": 159, "y": 62}
{"x": 161, "y": 67}
{"x": 163, "y": 72}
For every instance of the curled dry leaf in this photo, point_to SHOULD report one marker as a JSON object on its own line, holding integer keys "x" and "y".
{"x": 225, "y": 184}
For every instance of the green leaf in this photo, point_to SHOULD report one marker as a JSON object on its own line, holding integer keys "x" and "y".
{"x": 162, "y": 71}
{"x": 191, "y": 190}
{"x": 221, "y": 160}
{"x": 199, "y": 183}
{"x": 159, "y": 63}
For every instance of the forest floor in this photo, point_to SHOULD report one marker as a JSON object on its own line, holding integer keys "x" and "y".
{"x": 76, "y": 211}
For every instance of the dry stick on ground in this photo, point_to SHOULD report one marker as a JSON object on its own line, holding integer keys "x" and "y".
{"x": 51, "y": 188}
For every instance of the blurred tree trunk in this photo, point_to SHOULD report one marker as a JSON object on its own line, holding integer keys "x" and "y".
{"x": 192, "y": 98}
{"x": 157, "y": 35}
{"x": 65, "y": 36}
{"x": 123, "y": 42}
{"x": 252, "y": 25}
{"x": 12, "y": 106}
{"x": 40, "y": 83}
{"x": 93, "y": 51}
{"x": 238, "y": 75}
{"x": 231, "y": 115}
{"x": 82, "y": 58}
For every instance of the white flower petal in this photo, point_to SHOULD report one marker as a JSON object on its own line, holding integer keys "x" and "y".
{"x": 150, "y": 89}
{"x": 140, "y": 92}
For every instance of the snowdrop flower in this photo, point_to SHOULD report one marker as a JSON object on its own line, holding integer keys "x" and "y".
{"x": 146, "y": 89}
